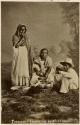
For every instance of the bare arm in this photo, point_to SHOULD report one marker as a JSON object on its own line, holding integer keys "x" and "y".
{"x": 49, "y": 67}
{"x": 48, "y": 71}
{"x": 20, "y": 42}
{"x": 16, "y": 41}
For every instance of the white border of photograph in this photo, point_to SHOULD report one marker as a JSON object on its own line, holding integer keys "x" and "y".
{"x": 0, "y": 54}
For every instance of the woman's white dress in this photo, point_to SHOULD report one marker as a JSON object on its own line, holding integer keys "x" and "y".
{"x": 20, "y": 67}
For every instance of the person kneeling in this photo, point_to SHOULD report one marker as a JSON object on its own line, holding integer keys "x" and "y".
{"x": 68, "y": 77}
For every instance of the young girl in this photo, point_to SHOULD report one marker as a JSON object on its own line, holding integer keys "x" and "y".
{"x": 20, "y": 66}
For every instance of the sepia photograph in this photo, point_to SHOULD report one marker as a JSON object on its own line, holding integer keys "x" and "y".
{"x": 39, "y": 62}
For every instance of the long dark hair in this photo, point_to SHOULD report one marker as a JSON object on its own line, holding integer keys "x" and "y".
{"x": 19, "y": 27}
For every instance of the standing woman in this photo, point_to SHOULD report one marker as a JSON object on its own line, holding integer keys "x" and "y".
{"x": 20, "y": 64}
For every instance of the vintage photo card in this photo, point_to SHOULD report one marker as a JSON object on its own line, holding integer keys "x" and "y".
{"x": 39, "y": 62}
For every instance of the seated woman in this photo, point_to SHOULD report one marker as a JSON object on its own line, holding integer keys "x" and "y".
{"x": 43, "y": 72}
{"x": 68, "y": 76}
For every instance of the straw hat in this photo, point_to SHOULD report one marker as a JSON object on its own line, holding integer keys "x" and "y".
{"x": 68, "y": 61}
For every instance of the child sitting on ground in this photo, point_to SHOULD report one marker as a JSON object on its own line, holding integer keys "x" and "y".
{"x": 43, "y": 72}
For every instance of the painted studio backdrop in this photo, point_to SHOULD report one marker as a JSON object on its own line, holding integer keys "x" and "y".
{"x": 54, "y": 26}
